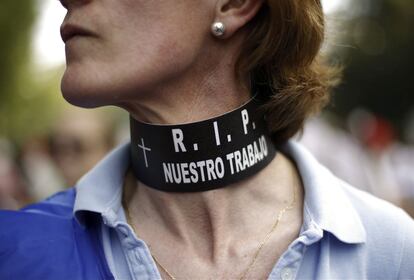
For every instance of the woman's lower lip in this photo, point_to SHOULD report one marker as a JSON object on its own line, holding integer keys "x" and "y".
{"x": 75, "y": 37}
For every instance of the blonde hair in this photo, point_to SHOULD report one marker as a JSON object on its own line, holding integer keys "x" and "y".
{"x": 281, "y": 55}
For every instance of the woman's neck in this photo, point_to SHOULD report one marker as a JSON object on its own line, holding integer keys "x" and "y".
{"x": 210, "y": 222}
{"x": 196, "y": 95}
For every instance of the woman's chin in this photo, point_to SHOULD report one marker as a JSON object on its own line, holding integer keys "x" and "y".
{"x": 82, "y": 93}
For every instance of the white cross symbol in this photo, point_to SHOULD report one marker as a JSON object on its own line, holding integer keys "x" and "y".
{"x": 144, "y": 150}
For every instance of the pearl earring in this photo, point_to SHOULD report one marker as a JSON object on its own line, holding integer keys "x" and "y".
{"x": 218, "y": 29}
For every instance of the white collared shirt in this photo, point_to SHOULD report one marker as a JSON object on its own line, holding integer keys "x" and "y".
{"x": 346, "y": 233}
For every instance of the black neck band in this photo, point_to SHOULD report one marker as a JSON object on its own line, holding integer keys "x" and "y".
{"x": 203, "y": 155}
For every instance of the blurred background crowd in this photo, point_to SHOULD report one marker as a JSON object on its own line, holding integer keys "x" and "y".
{"x": 366, "y": 135}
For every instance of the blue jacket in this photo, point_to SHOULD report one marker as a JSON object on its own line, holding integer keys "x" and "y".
{"x": 44, "y": 241}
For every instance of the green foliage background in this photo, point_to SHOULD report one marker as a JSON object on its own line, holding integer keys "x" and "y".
{"x": 28, "y": 97}
{"x": 378, "y": 59}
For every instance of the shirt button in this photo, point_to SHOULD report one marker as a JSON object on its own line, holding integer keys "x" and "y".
{"x": 286, "y": 274}
{"x": 123, "y": 230}
{"x": 105, "y": 220}
{"x": 109, "y": 217}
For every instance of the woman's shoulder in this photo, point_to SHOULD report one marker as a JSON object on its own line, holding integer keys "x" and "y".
{"x": 384, "y": 231}
{"x": 52, "y": 216}
{"x": 44, "y": 241}
{"x": 375, "y": 211}
{"x": 389, "y": 229}
{"x": 59, "y": 205}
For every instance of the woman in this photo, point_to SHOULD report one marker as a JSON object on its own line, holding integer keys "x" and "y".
{"x": 210, "y": 187}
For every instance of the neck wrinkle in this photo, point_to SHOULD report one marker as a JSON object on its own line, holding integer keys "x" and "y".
{"x": 189, "y": 218}
{"x": 202, "y": 95}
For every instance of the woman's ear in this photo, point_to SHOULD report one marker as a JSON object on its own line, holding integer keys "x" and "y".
{"x": 234, "y": 14}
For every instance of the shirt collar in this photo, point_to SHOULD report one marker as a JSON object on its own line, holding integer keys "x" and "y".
{"x": 326, "y": 203}
{"x": 100, "y": 190}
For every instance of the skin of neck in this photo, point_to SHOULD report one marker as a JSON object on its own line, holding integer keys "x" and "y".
{"x": 207, "y": 223}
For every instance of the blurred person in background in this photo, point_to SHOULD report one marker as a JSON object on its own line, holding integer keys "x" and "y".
{"x": 377, "y": 138}
{"x": 40, "y": 171}
{"x": 78, "y": 140}
{"x": 366, "y": 158}
{"x": 401, "y": 159}
{"x": 49, "y": 163}
{"x": 211, "y": 186}
{"x": 13, "y": 191}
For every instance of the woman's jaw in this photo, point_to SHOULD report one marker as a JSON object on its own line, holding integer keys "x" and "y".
{"x": 157, "y": 59}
